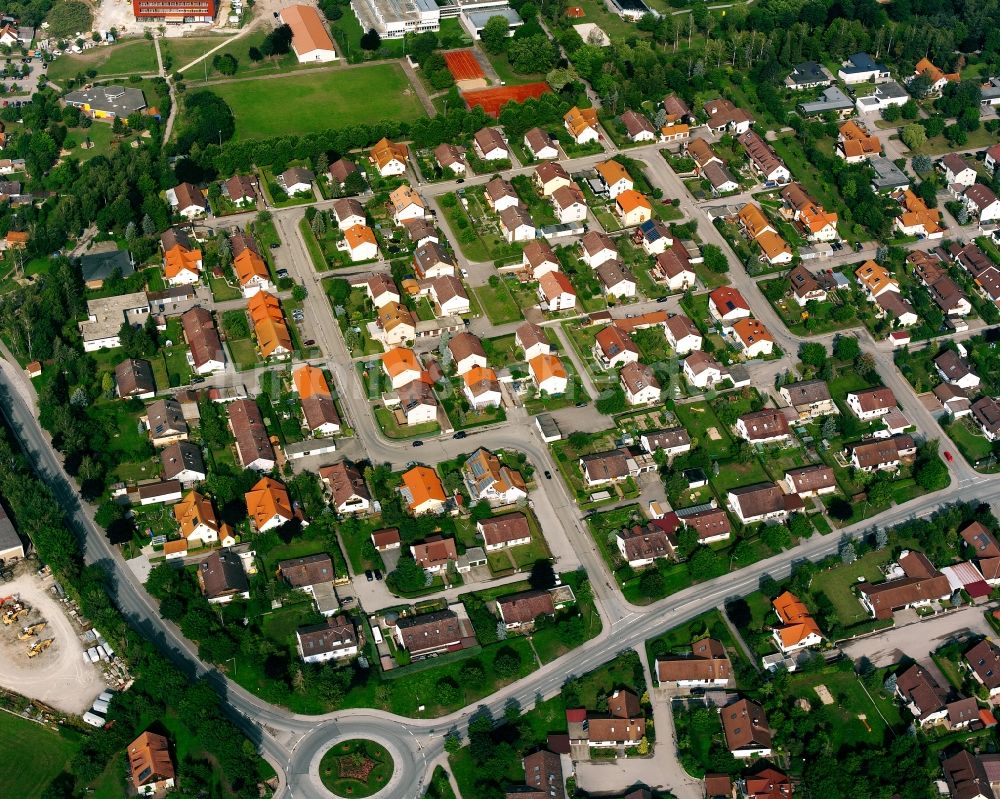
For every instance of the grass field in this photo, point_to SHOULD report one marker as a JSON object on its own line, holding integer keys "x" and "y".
{"x": 317, "y": 101}
{"x": 26, "y": 743}
{"x": 188, "y": 48}
{"x": 837, "y": 584}
{"x": 127, "y": 58}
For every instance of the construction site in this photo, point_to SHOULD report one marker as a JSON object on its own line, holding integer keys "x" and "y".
{"x": 42, "y": 651}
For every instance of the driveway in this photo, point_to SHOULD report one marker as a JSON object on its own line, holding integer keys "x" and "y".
{"x": 918, "y": 639}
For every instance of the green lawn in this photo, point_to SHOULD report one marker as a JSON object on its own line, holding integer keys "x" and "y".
{"x": 498, "y": 303}
{"x": 338, "y": 763}
{"x": 312, "y": 102}
{"x": 699, "y": 419}
{"x": 970, "y": 441}
{"x": 128, "y": 58}
{"x": 188, "y": 48}
{"x": 856, "y": 716}
{"x": 33, "y": 756}
{"x": 387, "y": 421}
{"x": 837, "y": 584}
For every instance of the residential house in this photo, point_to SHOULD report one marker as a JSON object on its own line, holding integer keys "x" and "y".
{"x": 516, "y": 224}
{"x": 922, "y": 695}
{"x": 805, "y": 287}
{"x": 340, "y": 170}
{"x": 701, "y": 370}
{"x": 811, "y": 481}
{"x": 359, "y": 243}
{"x": 886, "y": 175}
{"x": 896, "y": 308}
{"x": 978, "y": 264}
{"x": 937, "y": 77}
{"x": 406, "y": 204}
{"x": 596, "y": 248}
{"x": 569, "y": 204}
{"x": 945, "y": 292}
{"x": 548, "y": 374}
{"x": 421, "y": 232}
{"x": 885, "y": 95}
{"x": 614, "y": 178}
{"x": 467, "y": 352}
{"x": 486, "y": 478}
{"x": 798, "y": 629}
{"x": 919, "y": 585}
{"x": 637, "y": 127}
{"x": 482, "y": 388}
{"x": 500, "y": 195}
{"x": 198, "y": 522}
{"x": 724, "y": 117}
{"x": 707, "y": 666}
{"x": 603, "y": 468}
{"x": 764, "y": 161}
{"x": 221, "y": 577}
{"x": 810, "y": 398}
{"x": 309, "y": 573}
{"x": 502, "y": 532}
{"x": 348, "y": 213}
{"x": 581, "y": 124}
{"x": 490, "y": 145}
{"x": 150, "y": 766}
{"x": 808, "y": 75}
{"x": 767, "y": 783}
{"x": 982, "y": 202}
{"x": 613, "y": 348}
{"x": 747, "y": 732}
{"x": 418, "y": 403}
{"x": 762, "y": 502}
{"x": 269, "y": 505}
{"x": 431, "y": 260}
{"x": 334, "y": 639}
{"x": 318, "y": 408}
{"x": 394, "y": 324}
{"x": 423, "y": 491}
{"x": 165, "y": 422}
{"x": 639, "y": 384}
{"x": 389, "y": 158}
{"x": 538, "y": 259}
{"x": 986, "y": 414}
{"x": 810, "y": 218}
{"x": 540, "y": 145}
{"x": 676, "y": 109}
{"x": 431, "y": 633}
{"x": 182, "y": 461}
{"x": 348, "y": 491}
{"x": 983, "y": 660}
{"x": 766, "y": 426}
{"x": 556, "y": 292}
{"x": 917, "y": 219}
{"x": 134, "y": 379}
{"x": 181, "y": 266}
{"x": 855, "y": 144}
{"x": 752, "y": 338}
{"x": 672, "y": 441}
{"x": 953, "y": 400}
{"x": 447, "y": 294}
{"x": 642, "y": 546}
{"x": 532, "y": 340}
{"x": 870, "y": 403}
{"x": 682, "y": 334}
{"x": 720, "y": 178}
{"x": 966, "y": 775}
{"x": 253, "y": 446}
{"x": 616, "y": 280}
{"x": 885, "y": 454}
{"x": 862, "y": 68}
{"x": 252, "y": 273}
{"x": 434, "y": 554}
{"x": 522, "y": 609}
{"x": 450, "y": 157}
{"x": 957, "y": 171}
{"x": 726, "y": 304}
{"x": 992, "y": 158}
{"x": 551, "y": 176}
{"x": 654, "y": 236}
{"x": 954, "y": 369}
{"x": 297, "y": 180}
{"x": 632, "y": 208}
{"x": 381, "y": 289}
{"x": 270, "y": 329}
{"x": 623, "y": 724}
{"x": 711, "y": 524}
{"x": 240, "y": 190}
{"x": 386, "y": 539}
{"x": 187, "y": 200}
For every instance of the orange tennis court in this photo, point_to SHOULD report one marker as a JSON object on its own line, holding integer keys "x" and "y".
{"x": 492, "y": 100}
{"x": 462, "y": 65}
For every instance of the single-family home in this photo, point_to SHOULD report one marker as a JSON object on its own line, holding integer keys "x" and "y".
{"x": 198, "y": 522}
{"x": 181, "y": 266}
{"x": 639, "y": 384}
{"x": 182, "y": 461}
{"x": 726, "y": 304}
{"x": 811, "y": 481}
{"x": 862, "y": 68}
{"x": 581, "y": 124}
{"x": 134, "y": 379}
{"x": 319, "y": 410}
{"x": 501, "y": 195}
{"x": 870, "y": 403}
{"x": 389, "y": 158}
{"x": 810, "y": 218}
{"x": 516, "y": 224}
{"x": 986, "y": 414}
{"x": 334, "y": 639}
{"x": 569, "y": 204}
{"x": 596, "y": 248}
{"x": 538, "y": 259}
{"x": 766, "y": 426}
{"x": 632, "y": 208}
{"x": 360, "y": 243}
{"x": 798, "y": 629}
{"x": 450, "y": 157}
{"x": 616, "y": 279}
{"x": 430, "y": 633}
{"x": 761, "y": 502}
{"x": 954, "y": 369}
{"x": 810, "y": 398}
{"x": 221, "y": 577}
{"x": 701, "y": 370}
{"x": 981, "y": 201}
{"x": 548, "y": 374}
{"x": 406, "y": 204}
{"x": 490, "y": 145}
{"x": 150, "y": 766}
{"x": 752, "y": 338}
{"x": 252, "y": 273}
{"x": 746, "y": 729}
{"x": 682, "y": 334}
{"x": 672, "y": 441}
{"x": 487, "y": 478}
{"x": 707, "y": 666}
{"x": 638, "y": 128}
{"x": 253, "y": 446}
{"x": 643, "y": 546}
{"x": 506, "y": 530}
{"x": 917, "y": 219}
{"x": 296, "y": 180}
{"x": 614, "y": 348}
{"x": 435, "y": 553}
{"x": 394, "y": 324}
{"x": 711, "y": 524}
{"x": 919, "y": 584}
{"x": 855, "y": 144}
{"x": 482, "y": 388}
{"x": 349, "y": 212}
{"x": 540, "y": 144}
{"x": 724, "y": 117}
{"x": 937, "y": 76}
{"x": 764, "y": 161}
{"x": 532, "y": 340}
{"x": 187, "y": 200}
{"x": 805, "y": 287}
{"x": 432, "y": 260}
{"x": 349, "y": 493}
{"x": 556, "y": 292}
{"x": 922, "y": 695}
{"x": 203, "y": 341}
{"x": 551, "y": 176}
{"x": 614, "y": 178}
{"x": 983, "y": 660}
{"x": 517, "y": 611}
{"x": 269, "y": 505}
{"x": 467, "y": 352}
{"x": 423, "y": 491}
{"x": 884, "y": 454}
{"x": 654, "y": 237}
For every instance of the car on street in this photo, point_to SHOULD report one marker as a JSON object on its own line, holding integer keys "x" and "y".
{"x": 282, "y": 273}
{"x": 548, "y": 475}
{"x": 461, "y": 434}
{"x": 418, "y": 443}
{"x": 368, "y": 575}
{"x": 581, "y": 405}
{"x": 309, "y": 342}
{"x": 949, "y": 457}
{"x": 347, "y": 600}
{"x": 274, "y": 245}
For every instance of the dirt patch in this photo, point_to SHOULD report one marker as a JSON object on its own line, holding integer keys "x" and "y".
{"x": 713, "y": 434}
{"x": 58, "y": 676}
{"x": 824, "y": 694}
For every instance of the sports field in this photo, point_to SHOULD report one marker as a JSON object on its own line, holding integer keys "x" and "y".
{"x": 314, "y": 101}
{"x": 128, "y": 58}
{"x": 462, "y": 65}
{"x": 492, "y": 100}
{"x": 33, "y": 755}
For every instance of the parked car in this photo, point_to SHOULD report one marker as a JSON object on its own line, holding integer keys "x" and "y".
{"x": 949, "y": 457}
{"x": 548, "y": 475}
{"x": 418, "y": 443}
{"x": 378, "y": 574}
{"x": 309, "y": 342}
{"x": 461, "y": 434}
{"x": 368, "y": 575}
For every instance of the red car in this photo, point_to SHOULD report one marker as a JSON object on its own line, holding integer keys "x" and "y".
{"x": 949, "y": 457}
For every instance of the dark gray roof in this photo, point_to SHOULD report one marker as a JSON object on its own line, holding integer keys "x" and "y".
{"x": 100, "y": 266}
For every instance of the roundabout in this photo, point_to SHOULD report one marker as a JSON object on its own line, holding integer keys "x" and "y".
{"x": 356, "y": 767}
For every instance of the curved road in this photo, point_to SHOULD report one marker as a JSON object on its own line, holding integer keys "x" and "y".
{"x": 293, "y": 744}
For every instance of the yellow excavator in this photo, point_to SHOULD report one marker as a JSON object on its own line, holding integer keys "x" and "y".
{"x": 31, "y": 631}
{"x": 39, "y": 646}
{"x": 14, "y": 613}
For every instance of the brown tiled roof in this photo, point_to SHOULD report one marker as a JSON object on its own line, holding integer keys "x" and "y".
{"x": 490, "y": 139}
{"x": 310, "y": 570}
{"x": 149, "y": 759}
{"x": 221, "y": 574}
{"x": 709, "y": 523}
{"x": 430, "y": 630}
{"x": 916, "y": 685}
{"x": 745, "y": 725}
{"x": 134, "y": 376}
{"x": 642, "y": 543}
{"x": 525, "y": 607}
{"x": 986, "y": 411}
{"x": 808, "y": 392}
{"x": 530, "y": 334}
{"x": 636, "y": 123}
{"x": 345, "y": 481}
{"x": 921, "y": 582}
{"x": 335, "y": 633}
{"x": 435, "y": 551}
{"x": 543, "y": 770}
{"x": 248, "y": 427}
{"x": 708, "y": 661}
{"x": 386, "y": 537}
{"x": 984, "y": 660}
{"x": 668, "y": 439}
{"x": 765, "y": 423}
{"x": 612, "y": 465}
{"x": 179, "y": 457}
{"x": 506, "y": 527}
{"x": 882, "y": 451}
{"x": 202, "y": 336}
{"x": 537, "y": 139}
{"x": 341, "y": 169}
{"x": 636, "y": 376}
{"x": 982, "y": 541}
{"x": 966, "y": 776}
{"x": 187, "y": 195}
{"x": 873, "y": 399}
{"x": 759, "y": 499}
{"x": 811, "y": 478}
